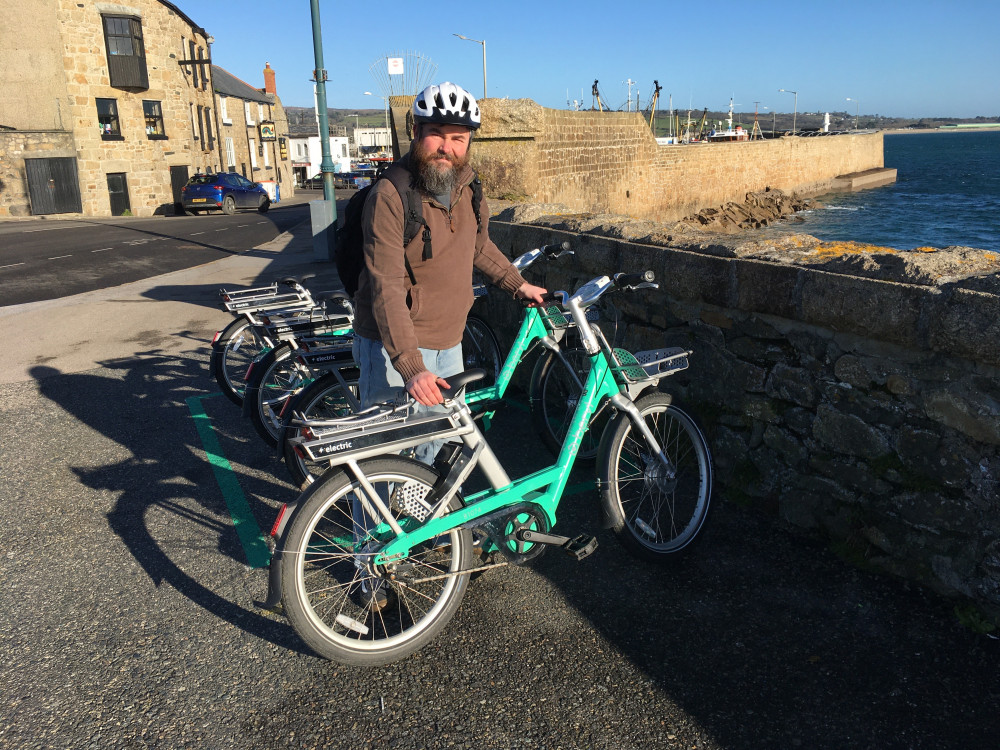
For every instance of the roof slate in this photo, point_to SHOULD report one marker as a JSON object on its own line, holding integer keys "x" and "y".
{"x": 226, "y": 84}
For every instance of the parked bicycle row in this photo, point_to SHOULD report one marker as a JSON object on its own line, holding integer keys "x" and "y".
{"x": 373, "y": 558}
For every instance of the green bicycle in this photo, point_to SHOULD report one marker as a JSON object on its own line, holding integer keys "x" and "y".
{"x": 654, "y": 474}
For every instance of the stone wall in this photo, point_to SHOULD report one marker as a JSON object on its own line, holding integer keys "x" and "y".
{"x": 610, "y": 163}
{"x": 862, "y": 408}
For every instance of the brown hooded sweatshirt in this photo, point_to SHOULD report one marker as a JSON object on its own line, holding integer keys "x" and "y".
{"x": 432, "y": 313}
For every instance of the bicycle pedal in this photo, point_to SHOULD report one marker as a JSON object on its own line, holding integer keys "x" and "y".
{"x": 581, "y": 546}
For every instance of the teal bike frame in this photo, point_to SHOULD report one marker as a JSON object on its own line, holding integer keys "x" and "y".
{"x": 542, "y": 488}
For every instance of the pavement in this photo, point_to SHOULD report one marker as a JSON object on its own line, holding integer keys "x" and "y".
{"x": 128, "y": 617}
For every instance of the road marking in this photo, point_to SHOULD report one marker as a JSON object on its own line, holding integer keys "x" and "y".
{"x": 194, "y": 233}
{"x": 48, "y": 229}
{"x": 12, "y": 265}
{"x": 224, "y": 229}
{"x": 103, "y": 249}
{"x": 254, "y": 545}
{"x": 240, "y": 226}
{"x": 57, "y": 257}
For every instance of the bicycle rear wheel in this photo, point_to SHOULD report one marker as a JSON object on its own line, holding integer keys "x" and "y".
{"x": 324, "y": 566}
{"x": 554, "y": 392}
{"x": 656, "y": 515}
{"x": 232, "y": 353}
{"x": 324, "y": 398}
{"x": 480, "y": 348}
{"x": 273, "y": 380}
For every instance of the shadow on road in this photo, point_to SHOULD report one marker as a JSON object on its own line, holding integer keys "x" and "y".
{"x": 169, "y": 502}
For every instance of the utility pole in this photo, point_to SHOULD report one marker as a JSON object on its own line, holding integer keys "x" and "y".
{"x": 323, "y": 213}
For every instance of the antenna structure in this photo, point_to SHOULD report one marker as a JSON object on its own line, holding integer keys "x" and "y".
{"x": 418, "y": 73}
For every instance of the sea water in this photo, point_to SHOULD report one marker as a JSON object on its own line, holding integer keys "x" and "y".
{"x": 947, "y": 192}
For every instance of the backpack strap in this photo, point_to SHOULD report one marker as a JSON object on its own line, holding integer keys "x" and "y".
{"x": 413, "y": 206}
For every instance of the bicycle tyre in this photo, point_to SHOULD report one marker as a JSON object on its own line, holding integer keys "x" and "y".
{"x": 273, "y": 380}
{"x": 321, "y": 574}
{"x": 324, "y": 397}
{"x": 232, "y": 353}
{"x": 552, "y": 397}
{"x": 480, "y": 348}
{"x": 655, "y": 517}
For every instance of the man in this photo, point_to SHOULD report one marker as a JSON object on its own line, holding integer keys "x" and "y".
{"x": 412, "y": 302}
{"x": 411, "y": 309}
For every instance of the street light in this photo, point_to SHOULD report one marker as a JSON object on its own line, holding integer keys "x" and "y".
{"x": 856, "y": 111}
{"x": 387, "y": 132}
{"x": 482, "y": 42}
{"x": 795, "y": 108}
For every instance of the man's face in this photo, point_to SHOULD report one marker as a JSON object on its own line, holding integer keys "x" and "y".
{"x": 443, "y": 147}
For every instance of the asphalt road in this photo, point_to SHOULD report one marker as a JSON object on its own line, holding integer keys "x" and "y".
{"x": 128, "y": 617}
{"x": 56, "y": 258}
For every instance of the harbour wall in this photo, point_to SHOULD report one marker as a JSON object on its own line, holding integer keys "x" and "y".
{"x": 863, "y": 410}
{"x": 609, "y": 162}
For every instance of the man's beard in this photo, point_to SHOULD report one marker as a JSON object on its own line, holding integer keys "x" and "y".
{"x": 435, "y": 178}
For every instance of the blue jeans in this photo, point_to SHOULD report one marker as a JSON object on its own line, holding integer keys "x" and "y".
{"x": 380, "y": 382}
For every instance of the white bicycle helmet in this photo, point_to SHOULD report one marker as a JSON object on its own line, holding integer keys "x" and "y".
{"x": 447, "y": 104}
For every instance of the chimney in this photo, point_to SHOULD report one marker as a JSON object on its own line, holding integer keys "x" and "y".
{"x": 269, "y": 86}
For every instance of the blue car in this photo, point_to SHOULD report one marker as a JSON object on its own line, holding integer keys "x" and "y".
{"x": 226, "y": 191}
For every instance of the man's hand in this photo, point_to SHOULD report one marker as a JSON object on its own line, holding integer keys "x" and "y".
{"x": 531, "y": 294}
{"x": 426, "y": 388}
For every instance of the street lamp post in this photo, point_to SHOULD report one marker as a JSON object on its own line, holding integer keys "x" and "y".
{"x": 857, "y": 111}
{"x": 795, "y": 106}
{"x": 387, "y": 132}
{"x": 482, "y": 42}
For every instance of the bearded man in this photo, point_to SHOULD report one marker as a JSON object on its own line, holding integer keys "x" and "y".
{"x": 411, "y": 306}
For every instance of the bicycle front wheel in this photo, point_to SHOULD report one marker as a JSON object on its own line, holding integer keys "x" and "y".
{"x": 232, "y": 353}
{"x": 324, "y": 398}
{"x": 658, "y": 510}
{"x": 327, "y": 572}
{"x": 480, "y": 348}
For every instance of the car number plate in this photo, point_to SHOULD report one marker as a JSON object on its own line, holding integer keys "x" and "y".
{"x": 199, "y": 200}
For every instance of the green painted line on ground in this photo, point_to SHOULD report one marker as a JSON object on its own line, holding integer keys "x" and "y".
{"x": 254, "y": 546}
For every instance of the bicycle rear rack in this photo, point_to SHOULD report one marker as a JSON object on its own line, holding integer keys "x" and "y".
{"x": 652, "y": 364}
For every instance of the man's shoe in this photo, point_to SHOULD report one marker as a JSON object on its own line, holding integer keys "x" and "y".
{"x": 373, "y": 596}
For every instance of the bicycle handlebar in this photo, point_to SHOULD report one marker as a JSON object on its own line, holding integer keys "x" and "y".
{"x": 634, "y": 280}
{"x": 555, "y": 250}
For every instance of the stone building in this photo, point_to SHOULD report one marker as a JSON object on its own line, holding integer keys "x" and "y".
{"x": 107, "y": 106}
{"x": 252, "y": 130}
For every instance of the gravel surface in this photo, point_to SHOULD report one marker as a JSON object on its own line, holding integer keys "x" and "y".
{"x": 128, "y": 618}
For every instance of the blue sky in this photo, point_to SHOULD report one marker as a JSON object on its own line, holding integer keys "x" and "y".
{"x": 902, "y": 59}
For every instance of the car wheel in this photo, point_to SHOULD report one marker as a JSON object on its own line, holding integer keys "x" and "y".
{"x": 229, "y": 205}
{"x": 263, "y": 204}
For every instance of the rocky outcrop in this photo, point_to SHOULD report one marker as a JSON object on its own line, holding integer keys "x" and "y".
{"x": 758, "y": 210}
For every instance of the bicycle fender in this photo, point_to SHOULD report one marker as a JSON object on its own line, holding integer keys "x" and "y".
{"x": 274, "y": 569}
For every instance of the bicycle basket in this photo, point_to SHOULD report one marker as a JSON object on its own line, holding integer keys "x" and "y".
{"x": 650, "y": 365}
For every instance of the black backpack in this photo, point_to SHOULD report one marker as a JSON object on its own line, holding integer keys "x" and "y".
{"x": 350, "y": 254}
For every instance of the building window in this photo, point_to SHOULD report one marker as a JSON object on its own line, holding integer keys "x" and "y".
{"x": 253, "y": 153}
{"x": 223, "y": 111}
{"x": 260, "y": 112}
{"x": 201, "y": 128}
{"x": 107, "y": 118}
{"x": 267, "y": 153}
{"x": 249, "y": 113}
{"x": 154, "y": 120}
{"x": 208, "y": 127}
{"x": 230, "y": 154}
{"x": 194, "y": 68}
{"x": 194, "y": 126}
{"x": 126, "y": 52}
